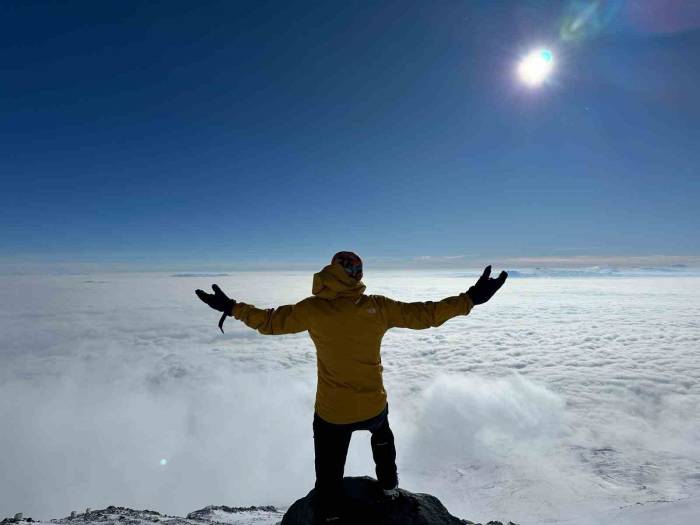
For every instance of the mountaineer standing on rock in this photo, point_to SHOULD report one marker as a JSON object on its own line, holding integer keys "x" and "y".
{"x": 347, "y": 327}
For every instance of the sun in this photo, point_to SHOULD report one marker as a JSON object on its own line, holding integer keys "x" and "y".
{"x": 535, "y": 67}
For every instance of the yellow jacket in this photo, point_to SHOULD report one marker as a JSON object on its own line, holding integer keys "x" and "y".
{"x": 347, "y": 327}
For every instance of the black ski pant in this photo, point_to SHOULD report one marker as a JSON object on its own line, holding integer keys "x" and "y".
{"x": 331, "y": 442}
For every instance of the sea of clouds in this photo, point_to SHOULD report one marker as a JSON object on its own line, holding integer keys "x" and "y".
{"x": 567, "y": 399}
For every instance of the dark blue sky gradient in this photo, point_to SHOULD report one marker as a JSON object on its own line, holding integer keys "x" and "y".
{"x": 227, "y": 131}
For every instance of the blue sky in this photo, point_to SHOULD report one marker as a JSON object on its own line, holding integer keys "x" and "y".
{"x": 236, "y": 132}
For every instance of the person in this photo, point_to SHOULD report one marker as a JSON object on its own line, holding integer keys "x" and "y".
{"x": 347, "y": 327}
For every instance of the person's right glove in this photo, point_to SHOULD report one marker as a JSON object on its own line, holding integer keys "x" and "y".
{"x": 218, "y": 301}
{"x": 485, "y": 287}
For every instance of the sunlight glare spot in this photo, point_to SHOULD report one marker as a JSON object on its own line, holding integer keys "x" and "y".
{"x": 536, "y": 67}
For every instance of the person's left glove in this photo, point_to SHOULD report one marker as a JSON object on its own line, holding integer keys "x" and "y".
{"x": 218, "y": 301}
{"x": 486, "y": 286}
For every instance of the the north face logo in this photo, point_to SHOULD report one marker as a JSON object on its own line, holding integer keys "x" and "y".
{"x": 371, "y": 310}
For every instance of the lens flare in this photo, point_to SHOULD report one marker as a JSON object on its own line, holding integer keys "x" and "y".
{"x": 534, "y": 68}
{"x": 585, "y": 19}
{"x": 163, "y": 462}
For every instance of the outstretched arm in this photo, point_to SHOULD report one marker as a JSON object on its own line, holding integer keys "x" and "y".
{"x": 428, "y": 314}
{"x": 288, "y": 319}
{"x": 422, "y": 315}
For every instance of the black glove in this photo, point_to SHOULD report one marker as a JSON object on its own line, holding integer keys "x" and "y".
{"x": 485, "y": 287}
{"x": 218, "y": 301}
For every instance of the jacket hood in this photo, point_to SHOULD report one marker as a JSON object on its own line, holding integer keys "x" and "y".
{"x": 332, "y": 282}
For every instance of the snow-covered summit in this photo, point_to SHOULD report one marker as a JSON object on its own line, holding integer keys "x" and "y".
{"x": 211, "y": 515}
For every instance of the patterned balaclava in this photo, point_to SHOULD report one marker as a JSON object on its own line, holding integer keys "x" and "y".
{"x": 351, "y": 263}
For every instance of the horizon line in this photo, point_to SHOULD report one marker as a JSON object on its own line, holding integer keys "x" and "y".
{"x": 422, "y": 262}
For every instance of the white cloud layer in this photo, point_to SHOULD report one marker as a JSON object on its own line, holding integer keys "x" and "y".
{"x": 563, "y": 399}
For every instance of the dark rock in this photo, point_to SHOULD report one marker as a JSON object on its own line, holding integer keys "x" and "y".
{"x": 365, "y": 504}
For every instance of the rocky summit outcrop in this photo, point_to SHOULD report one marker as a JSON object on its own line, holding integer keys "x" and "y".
{"x": 364, "y": 504}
